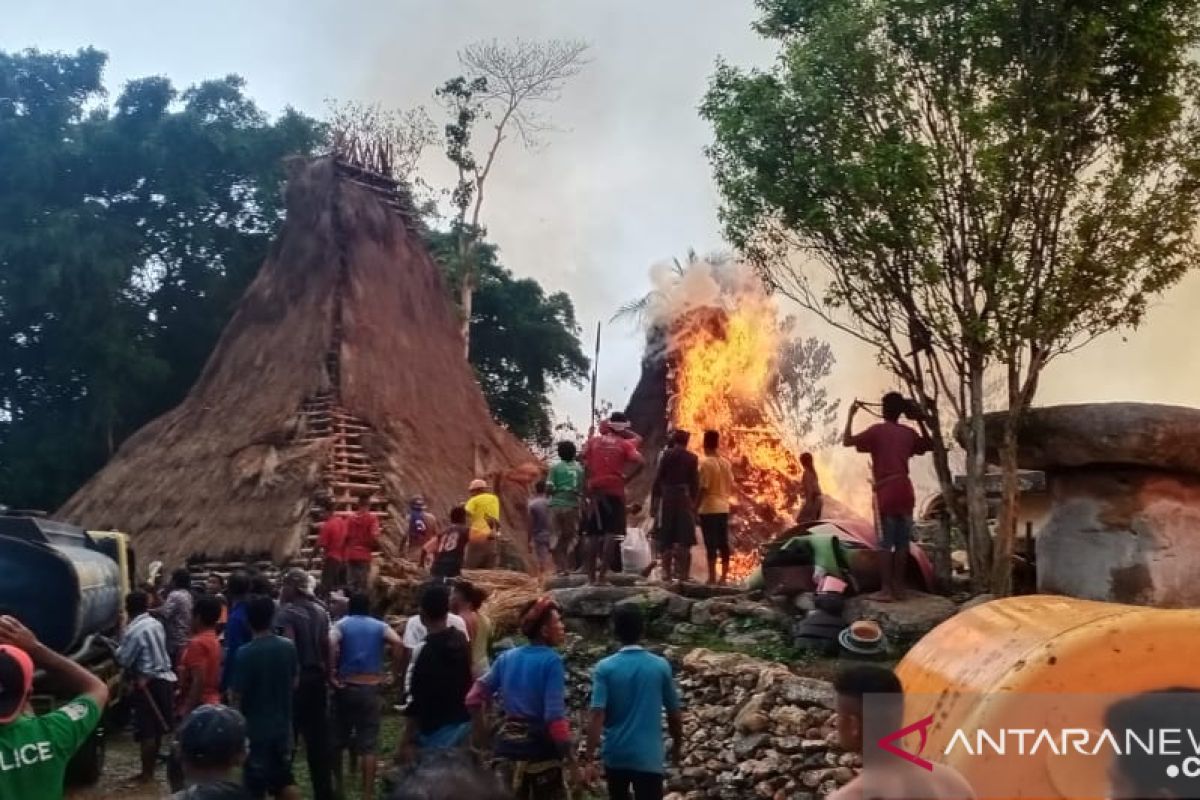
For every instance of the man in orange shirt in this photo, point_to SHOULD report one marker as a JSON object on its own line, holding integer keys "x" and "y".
{"x": 332, "y": 543}
{"x": 362, "y": 534}
{"x": 200, "y": 663}
{"x": 716, "y": 487}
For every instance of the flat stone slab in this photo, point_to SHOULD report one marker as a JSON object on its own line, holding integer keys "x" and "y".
{"x": 1028, "y": 480}
{"x": 594, "y": 601}
{"x": 574, "y": 581}
{"x": 1103, "y": 434}
{"x": 906, "y": 621}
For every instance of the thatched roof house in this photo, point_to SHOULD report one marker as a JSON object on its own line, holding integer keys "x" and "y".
{"x": 342, "y": 369}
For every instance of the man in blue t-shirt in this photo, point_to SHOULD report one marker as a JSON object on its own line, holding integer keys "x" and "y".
{"x": 630, "y": 691}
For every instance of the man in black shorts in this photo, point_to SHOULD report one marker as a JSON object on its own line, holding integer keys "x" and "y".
{"x": 144, "y": 658}
{"x": 677, "y": 485}
{"x": 605, "y": 458}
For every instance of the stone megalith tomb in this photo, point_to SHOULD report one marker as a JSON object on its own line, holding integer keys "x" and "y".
{"x": 1124, "y": 489}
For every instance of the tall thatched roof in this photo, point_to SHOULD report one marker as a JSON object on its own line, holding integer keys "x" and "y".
{"x": 348, "y": 305}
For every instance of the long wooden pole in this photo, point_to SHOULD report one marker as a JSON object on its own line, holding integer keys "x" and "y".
{"x": 595, "y": 374}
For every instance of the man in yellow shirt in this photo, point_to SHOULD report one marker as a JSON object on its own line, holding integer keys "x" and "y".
{"x": 716, "y": 487}
{"x": 483, "y": 518}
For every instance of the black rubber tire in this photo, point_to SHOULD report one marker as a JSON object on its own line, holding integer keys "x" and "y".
{"x": 87, "y": 766}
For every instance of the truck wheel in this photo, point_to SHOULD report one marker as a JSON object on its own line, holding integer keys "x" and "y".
{"x": 87, "y": 766}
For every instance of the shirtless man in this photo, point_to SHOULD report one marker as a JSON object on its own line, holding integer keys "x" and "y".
{"x": 890, "y": 779}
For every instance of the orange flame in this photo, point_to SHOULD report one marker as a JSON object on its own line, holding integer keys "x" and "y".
{"x": 722, "y": 366}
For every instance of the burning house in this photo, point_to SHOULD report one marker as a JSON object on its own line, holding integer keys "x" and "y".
{"x": 713, "y": 343}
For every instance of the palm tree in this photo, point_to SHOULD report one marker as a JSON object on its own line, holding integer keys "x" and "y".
{"x": 635, "y": 310}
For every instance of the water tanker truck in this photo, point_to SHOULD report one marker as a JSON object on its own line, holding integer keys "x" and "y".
{"x": 67, "y": 585}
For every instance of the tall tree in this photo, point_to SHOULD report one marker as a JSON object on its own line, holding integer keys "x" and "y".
{"x": 524, "y": 341}
{"x": 973, "y": 184}
{"x": 506, "y": 83}
{"x": 127, "y": 233}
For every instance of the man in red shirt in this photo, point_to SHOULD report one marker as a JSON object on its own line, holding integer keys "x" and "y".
{"x": 891, "y": 445}
{"x": 605, "y": 458}
{"x": 362, "y": 534}
{"x": 332, "y": 543}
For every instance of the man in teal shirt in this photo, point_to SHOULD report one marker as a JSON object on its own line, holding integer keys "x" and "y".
{"x": 35, "y": 750}
{"x": 565, "y": 486}
{"x": 267, "y": 674}
{"x": 630, "y": 691}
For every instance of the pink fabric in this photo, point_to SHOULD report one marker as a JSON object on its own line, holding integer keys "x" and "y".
{"x": 832, "y": 584}
{"x": 478, "y": 697}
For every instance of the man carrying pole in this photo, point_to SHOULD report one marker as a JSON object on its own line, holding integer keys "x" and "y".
{"x": 891, "y": 445}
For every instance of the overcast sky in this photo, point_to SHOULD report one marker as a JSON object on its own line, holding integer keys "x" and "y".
{"x": 623, "y": 184}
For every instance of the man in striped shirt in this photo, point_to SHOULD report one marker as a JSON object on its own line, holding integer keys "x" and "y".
{"x": 143, "y": 656}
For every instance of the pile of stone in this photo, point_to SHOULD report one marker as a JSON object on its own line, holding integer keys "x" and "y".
{"x": 753, "y": 729}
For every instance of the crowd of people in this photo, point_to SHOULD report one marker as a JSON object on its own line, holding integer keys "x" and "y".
{"x": 239, "y": 743}
{"x": 231, "y": 709}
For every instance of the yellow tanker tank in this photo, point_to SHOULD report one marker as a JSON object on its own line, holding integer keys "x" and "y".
{"x": 971, "y": 672}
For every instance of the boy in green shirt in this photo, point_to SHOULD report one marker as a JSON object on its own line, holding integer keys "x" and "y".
{"x": 565, "y": 485}
{"x": 35, "y": 750}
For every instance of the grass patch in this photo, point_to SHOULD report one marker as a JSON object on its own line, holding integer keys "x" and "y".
{"x": 391, "y": 732}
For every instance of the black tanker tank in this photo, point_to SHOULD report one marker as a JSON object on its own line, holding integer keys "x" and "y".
{"x": 55, "y": 579}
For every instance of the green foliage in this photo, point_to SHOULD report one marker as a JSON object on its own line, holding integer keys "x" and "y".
{"x": 997, "y": 169}
{"x": 127, "y": 234}
{"x": 459, "y": 95}
{"x": 523, "y": 341}
{"x": 969, "y": 184}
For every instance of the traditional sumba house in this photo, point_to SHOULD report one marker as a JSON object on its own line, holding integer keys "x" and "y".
{"x": 341, "y": 372}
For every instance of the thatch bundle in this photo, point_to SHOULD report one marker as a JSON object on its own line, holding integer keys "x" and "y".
{"x": 349, "y": 306}
{"x": 396, "y": 592}
{"x": 396, "y": 587}
{"x": 508, "y": 592}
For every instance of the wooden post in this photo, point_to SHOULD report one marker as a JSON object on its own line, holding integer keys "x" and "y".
{"x": 595, "y": 374}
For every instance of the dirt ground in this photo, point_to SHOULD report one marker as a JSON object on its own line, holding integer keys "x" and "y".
{"x": 121, "y": 762}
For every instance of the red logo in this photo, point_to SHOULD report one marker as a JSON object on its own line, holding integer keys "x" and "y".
{"x": 921, "y": 725}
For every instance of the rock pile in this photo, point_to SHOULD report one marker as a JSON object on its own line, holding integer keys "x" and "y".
{"x": 753, "y": 728}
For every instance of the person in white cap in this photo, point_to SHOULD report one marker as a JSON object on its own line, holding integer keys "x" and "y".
{"x": 483, "y": 515}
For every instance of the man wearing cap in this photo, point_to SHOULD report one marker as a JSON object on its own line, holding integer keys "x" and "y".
{"x": 422, "y": 527}
{"x": 35, "y": 750}
{"x": 605, "y": 458}
{"x": 212, "y": 743}
{"x": 483, "y": 515}
{"x": 306, "y": 622}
